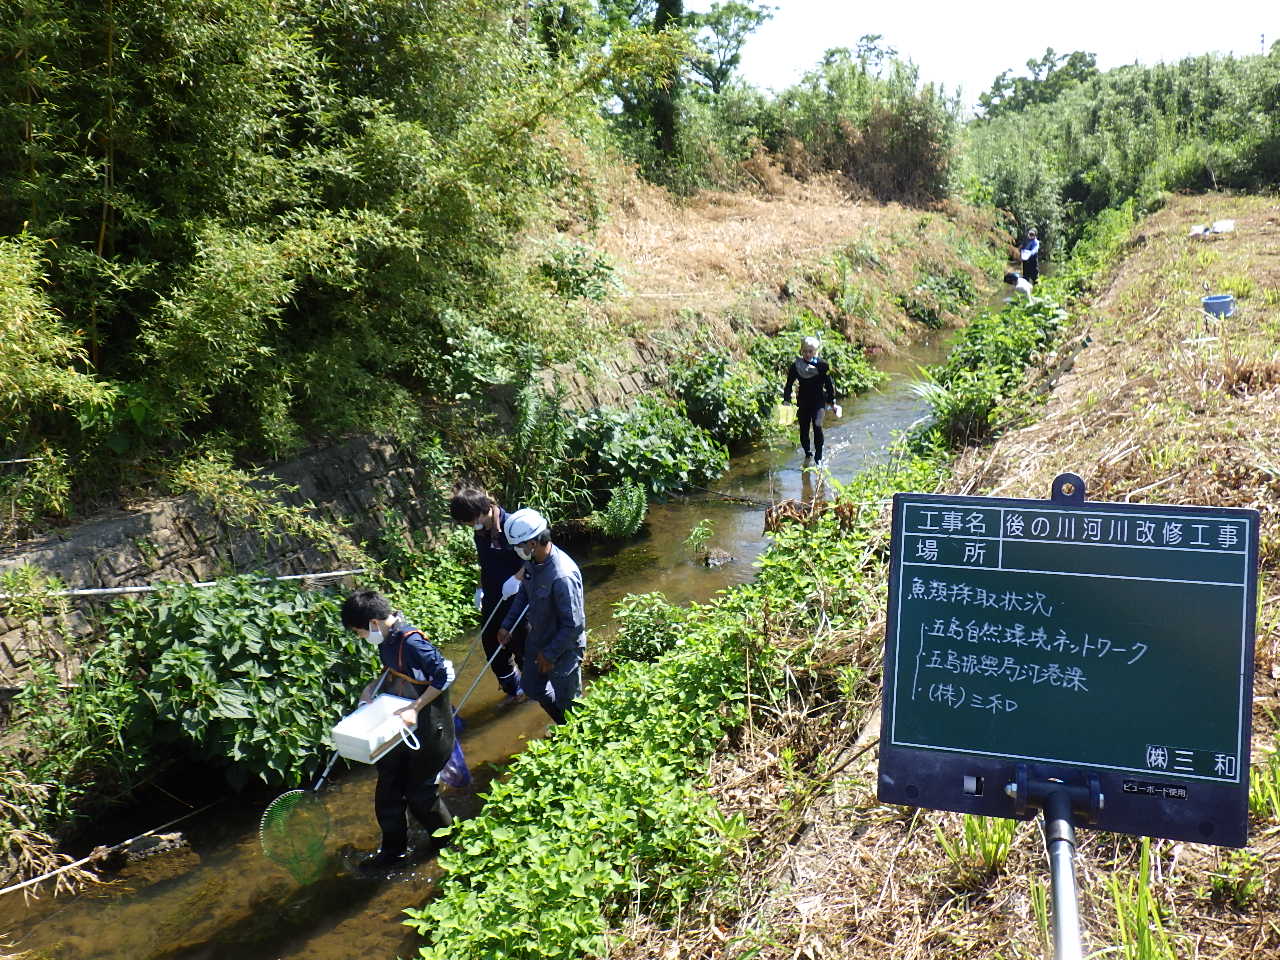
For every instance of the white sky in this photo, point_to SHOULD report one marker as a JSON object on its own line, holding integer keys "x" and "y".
{"x": 967, "y": 44}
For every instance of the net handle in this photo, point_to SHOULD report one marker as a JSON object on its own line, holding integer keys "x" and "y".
{"x": 386, "y": 672}
{"x": 485, "y": 668}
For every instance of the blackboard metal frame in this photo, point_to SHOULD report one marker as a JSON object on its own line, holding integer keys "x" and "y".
{"x": 1154, "y": 804}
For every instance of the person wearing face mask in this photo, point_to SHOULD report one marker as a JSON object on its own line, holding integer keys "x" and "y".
{"x": 406, "y": 778}
{"x": 815, "y": 394}
{"x": 500, "y": 570}
{"x": 551, "y": 592}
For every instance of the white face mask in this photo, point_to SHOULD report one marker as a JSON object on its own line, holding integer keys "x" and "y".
{"x": 375, "y": 635}
{"x": 478, "y": 525}
{"x": 525, "y": 551}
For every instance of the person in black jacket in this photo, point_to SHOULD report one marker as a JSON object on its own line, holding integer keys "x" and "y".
{"x": 815, "y": 393}
{"x": 406, "y": 778}
{"x": 500, "y": 572}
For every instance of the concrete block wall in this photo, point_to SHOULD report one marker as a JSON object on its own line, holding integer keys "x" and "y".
{"x": 361, "y": 483}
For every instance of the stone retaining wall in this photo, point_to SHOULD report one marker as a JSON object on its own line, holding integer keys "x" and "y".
{"x": 635, "y": 368}
{"x": 361, "y": 483}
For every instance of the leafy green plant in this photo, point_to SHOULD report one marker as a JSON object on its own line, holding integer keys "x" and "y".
{"x": 985, "y": 367}
{"x": 697, "y": 539}
{"x": 653, "y": 444}
{"x": 438, "y": 577}
{"x": 1140, "y": 924}
{"x": 1238, "y": 879}
{"x": 648, "y": 626}
{"x": 577, "y": 271}
{"x": 542, "y": 463}
{"x": 730, "y": 400}
{"x": 624, "y": 514}
{"x": 982, "y": 849}
{"x": 600, "y": 818}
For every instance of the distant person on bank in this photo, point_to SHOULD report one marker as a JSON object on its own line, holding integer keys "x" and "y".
{"x": 500, "y": 572}
{"x": 1030, "y": 254}
{"x": 1019, "y": 284}
{"x": 815, "y": 394}
{"x": 551, "y": 592}
{"x": 406, "y": 778}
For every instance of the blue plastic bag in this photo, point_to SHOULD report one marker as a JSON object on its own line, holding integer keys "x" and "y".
{"x": 455, "y": 772}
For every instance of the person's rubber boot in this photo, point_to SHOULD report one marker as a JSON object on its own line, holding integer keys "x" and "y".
{"x": 807, "y": 454}
{"x": 513, "y": 696}
{"x": 383, "y": 860}
{"x": 440, "y": 818}
{"x": 818, "y": 456}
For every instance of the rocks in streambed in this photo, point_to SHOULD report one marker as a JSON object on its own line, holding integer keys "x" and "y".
{"x": 114, "y": 859}
{"x": 715, "y": 557}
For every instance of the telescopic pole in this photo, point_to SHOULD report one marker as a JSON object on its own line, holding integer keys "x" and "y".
{"x": 1060, "y": 842}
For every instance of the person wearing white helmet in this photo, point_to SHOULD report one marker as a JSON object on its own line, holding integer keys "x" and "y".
{"x": 550, "y": 597}
{"x": 815, "y": 394}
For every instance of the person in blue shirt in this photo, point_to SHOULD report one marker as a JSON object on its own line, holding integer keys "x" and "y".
{"x": 1030, "y": 253}
{"x": 551, "y": 599}
{"x": 815, "y": 394}
{"x": 406, "y": 778}
{"x": 500, "y": 570}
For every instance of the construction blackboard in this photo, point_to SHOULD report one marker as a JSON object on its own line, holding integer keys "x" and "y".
{"x": 1064, "y": 639}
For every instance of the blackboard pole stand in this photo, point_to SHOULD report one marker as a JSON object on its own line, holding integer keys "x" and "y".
{"x": 1060, "y": 842}
{"x": 1060, "y": 803}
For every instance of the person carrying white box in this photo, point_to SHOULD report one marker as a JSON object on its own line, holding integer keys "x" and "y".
{"x": 406, "y": 778}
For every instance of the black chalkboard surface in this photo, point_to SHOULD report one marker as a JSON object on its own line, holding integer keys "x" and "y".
{"x": 1092, "y": 643}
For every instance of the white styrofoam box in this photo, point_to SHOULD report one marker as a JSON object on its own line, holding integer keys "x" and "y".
{"x": 372, "y": 731}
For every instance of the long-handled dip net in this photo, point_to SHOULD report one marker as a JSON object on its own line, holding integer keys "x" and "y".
{"x": 295, "y": 826}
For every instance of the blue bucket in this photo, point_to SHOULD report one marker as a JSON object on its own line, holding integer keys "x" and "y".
{"x": 1219, "y": 305}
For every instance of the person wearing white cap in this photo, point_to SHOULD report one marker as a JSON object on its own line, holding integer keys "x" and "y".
{"x": 551, "y": 593}
{"x": 1030, "y": 254}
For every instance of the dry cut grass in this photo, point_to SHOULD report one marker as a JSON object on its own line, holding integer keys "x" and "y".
{"x": 724, "y": 259}
{"x": 1160, "y": 406}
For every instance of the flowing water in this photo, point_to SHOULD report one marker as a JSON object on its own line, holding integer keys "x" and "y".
{"x": 221, "y": 898}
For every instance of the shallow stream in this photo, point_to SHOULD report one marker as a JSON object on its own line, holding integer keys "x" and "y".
{"x": 221, "y": 898}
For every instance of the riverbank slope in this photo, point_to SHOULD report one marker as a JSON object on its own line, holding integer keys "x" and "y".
{"x": 1158, "y": 407}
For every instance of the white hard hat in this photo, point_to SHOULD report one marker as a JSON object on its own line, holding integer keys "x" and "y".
{"x": 524, "y": 525}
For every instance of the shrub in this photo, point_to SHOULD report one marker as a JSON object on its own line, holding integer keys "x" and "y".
{"x": 623, "y": 515}
{"x": 653, "y": 444}
{"x": 439, "y": 578}
{"x": 730, "y": 400}
{"x": 648, "y": 627}
{"x": 602, "y": 817}
{"x": 248, "y": 677}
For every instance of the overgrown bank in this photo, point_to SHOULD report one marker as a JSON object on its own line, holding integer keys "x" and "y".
{"x": 790, "y": 661}
{"x": 1154, "y": 407}
{"x": 814, "y": 865}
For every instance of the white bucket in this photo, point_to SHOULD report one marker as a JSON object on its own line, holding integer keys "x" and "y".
{"x": 372, "y": 731}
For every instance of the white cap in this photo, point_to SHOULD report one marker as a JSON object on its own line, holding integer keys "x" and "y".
{"x": 524, "y": 525}
{"x": 813, "y": 342}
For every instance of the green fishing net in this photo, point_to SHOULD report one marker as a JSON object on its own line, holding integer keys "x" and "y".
{"x": 293, "y": 832}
